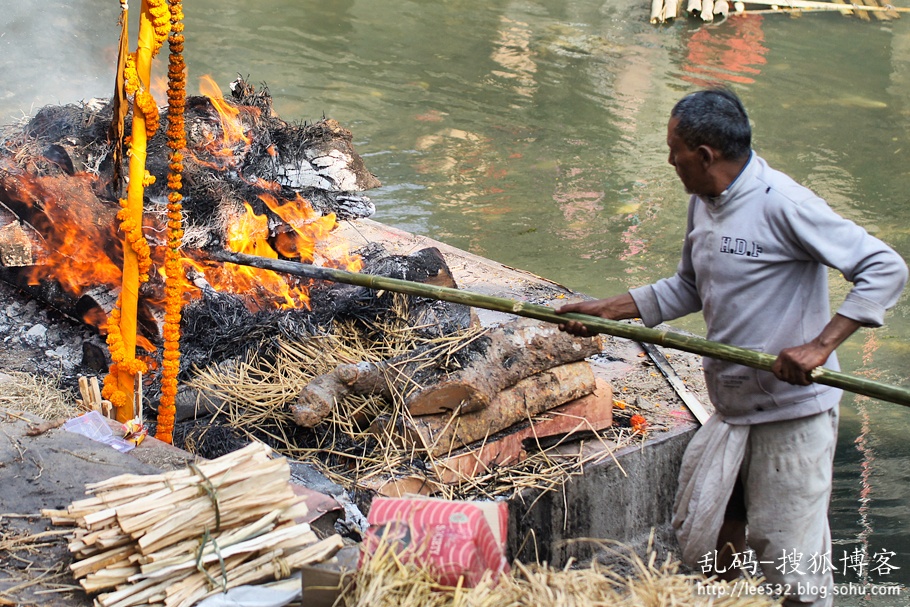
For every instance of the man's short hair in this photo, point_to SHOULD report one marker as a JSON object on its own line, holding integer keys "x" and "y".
{"x": 714, "y": 117}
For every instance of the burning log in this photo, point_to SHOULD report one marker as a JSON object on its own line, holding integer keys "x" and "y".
{"x": 487, "y": 365}
{"x": 15, "y": 246}
{"x": 426, "y": 266}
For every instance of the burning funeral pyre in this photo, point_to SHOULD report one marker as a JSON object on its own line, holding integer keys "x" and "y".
{"x": 382, "y": 392}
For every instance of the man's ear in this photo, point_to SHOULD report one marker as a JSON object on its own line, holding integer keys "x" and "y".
{"x": 707, "y": 155}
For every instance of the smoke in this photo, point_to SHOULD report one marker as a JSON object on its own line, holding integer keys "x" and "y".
{"x": 56, "y": 52}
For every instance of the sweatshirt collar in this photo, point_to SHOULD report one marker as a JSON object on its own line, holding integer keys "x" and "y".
{"x": 735, "y": 186}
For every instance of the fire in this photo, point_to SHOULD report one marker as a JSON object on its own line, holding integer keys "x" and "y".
{"x": 75, "y": 252}
{"x": 304, "y": 235}
{"x": 82, "y": 248}
{"x": 233, "y": 134}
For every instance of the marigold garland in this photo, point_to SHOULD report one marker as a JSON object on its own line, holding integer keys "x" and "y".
{"x": 161, "y": 22}
{"x": 131, "y": 82}
{"x": 160, "y": 18}
{"x": 119, "y": 361}
{"x": 173, "y": 265}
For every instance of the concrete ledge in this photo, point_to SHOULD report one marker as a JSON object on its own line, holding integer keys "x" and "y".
{"x": 603, "y": 503}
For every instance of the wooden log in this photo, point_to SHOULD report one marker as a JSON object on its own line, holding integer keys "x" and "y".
{"x": 131, "y": 594}
{"x": 505, "y": 355}
{"x": 590, "y": 413}
{"x": 100, "y": 561}
{"x": 443, "y": 433}
{"x": 105, "y": 579}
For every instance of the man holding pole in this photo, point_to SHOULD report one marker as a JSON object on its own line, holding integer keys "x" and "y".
{"x": 755, "y": 261}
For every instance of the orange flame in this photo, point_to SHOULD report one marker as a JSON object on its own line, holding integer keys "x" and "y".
{"x": 75, "y": 249}
{"x": 83, "y": 247}
{"x": 304, "y": 235}
{"x": 231, "y": 126}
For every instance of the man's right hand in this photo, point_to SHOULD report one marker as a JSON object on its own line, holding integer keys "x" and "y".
{"x": 618, "y": 307}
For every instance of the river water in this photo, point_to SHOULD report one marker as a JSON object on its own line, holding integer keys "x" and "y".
{"x": 533, "y": 132}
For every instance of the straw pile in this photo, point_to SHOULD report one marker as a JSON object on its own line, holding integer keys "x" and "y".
{"x": 36, "y": 394}
{"x": 384, "y": 581}
{"x": 172, "y": 539}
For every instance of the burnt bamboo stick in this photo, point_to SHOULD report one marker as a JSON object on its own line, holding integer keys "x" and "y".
{"x": 669, "y": 339}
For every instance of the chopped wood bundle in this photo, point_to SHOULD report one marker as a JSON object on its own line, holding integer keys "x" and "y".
{"x": 434, "y": 381}
{"x": 174, "y": 538}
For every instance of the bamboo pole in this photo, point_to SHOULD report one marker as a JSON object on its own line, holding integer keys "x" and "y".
{"x": 696, "y": 345}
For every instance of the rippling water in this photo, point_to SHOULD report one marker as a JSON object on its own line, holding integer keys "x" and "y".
{"x": 533, "y": 132}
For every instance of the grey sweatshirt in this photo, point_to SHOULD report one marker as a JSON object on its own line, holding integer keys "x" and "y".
{"x": 754, "y": 261}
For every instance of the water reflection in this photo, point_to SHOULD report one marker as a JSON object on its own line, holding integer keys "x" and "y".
{"x": 729, "y": 53}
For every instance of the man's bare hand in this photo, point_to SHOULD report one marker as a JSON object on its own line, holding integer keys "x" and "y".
{"x": 612, "y": 308}
{"x": 794, "y": 365}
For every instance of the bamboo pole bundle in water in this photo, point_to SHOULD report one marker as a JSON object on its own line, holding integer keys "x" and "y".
{"x": 174, "y": 538}
{"x": 686, "y": 343}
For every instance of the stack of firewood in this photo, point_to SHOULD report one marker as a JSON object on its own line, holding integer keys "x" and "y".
{"x": 172, "y": 539}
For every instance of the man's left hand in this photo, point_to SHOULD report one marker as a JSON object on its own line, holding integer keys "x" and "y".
{"x": 793, "y": 365}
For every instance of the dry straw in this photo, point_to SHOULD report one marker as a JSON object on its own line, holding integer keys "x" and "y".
{"x": 385, "y": 581}
{"x": 36, "y": 394}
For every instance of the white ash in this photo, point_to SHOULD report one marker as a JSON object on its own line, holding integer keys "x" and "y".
{"x": 38, "y": 340}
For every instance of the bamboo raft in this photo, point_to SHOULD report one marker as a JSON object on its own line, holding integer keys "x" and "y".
{"x": 709, "y": 10}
